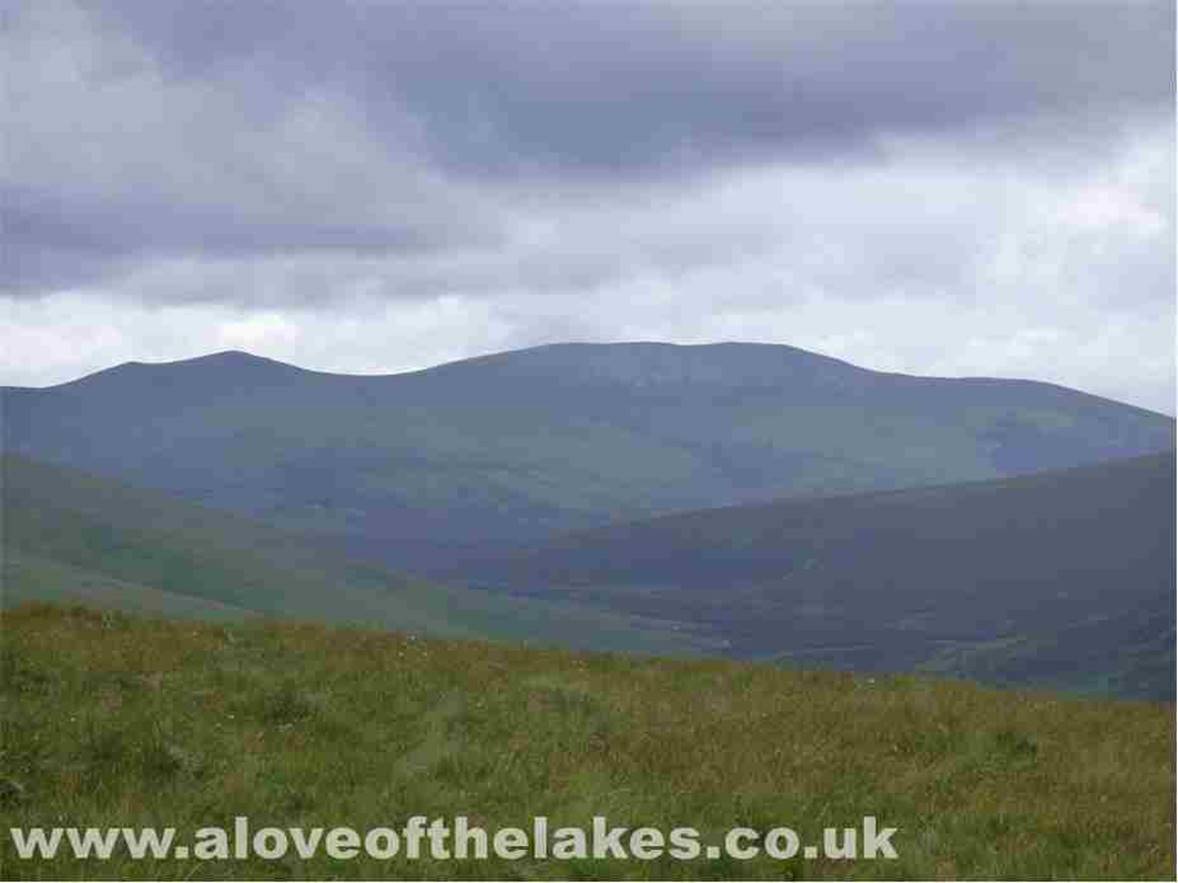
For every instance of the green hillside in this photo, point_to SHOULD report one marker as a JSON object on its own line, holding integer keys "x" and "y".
{"x": 73, "y": 536}
{"x": 415, "y": 468}
{"x": 116, "y": 720}
{"x": 30, "y": 578}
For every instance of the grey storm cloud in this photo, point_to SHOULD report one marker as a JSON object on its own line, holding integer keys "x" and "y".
{"x": 649, "y": 88}
{"x": 433, "y": 133}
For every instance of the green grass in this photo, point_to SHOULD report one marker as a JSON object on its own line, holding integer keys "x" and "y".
{"x": 114, "y": 720}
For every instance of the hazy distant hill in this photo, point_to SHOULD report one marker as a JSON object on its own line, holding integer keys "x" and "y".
{"x": 516, "y": 446}
{"x": 73, "y": 537}
{"x": 1061, "y": 578}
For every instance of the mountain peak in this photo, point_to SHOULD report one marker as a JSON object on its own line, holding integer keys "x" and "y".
{"x": 225, "y": 360}
{"x": 220, "y": 366}
{"x": 233, "y": 355}
{"x": 229, "y": 359}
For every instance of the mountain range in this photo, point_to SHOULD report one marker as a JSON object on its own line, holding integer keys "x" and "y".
{"x": 753, "y": 500}
{"x": 421, "y": 467}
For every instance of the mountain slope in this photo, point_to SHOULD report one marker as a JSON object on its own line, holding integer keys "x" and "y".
{"x": 418, "y": 468}
{"x": 1060, "y": 578}
{"x": 69, "y": 536}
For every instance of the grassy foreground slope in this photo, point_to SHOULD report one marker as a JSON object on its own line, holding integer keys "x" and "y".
{"x": 113, "y": 720}
{"x": 70, "y": 536}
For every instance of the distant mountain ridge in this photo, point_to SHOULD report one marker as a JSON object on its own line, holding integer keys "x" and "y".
{"x": 512, "y": 448}
{"x": 742, "y": 366}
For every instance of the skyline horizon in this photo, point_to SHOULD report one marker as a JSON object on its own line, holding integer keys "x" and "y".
{"x": 950, "y": 190}
{"x": 474, "y": 357}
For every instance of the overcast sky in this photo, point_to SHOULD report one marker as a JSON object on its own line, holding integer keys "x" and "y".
{"x": 950, "y": 188}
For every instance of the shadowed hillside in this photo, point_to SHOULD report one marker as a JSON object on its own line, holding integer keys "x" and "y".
{"x": 1063, "y": 578}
